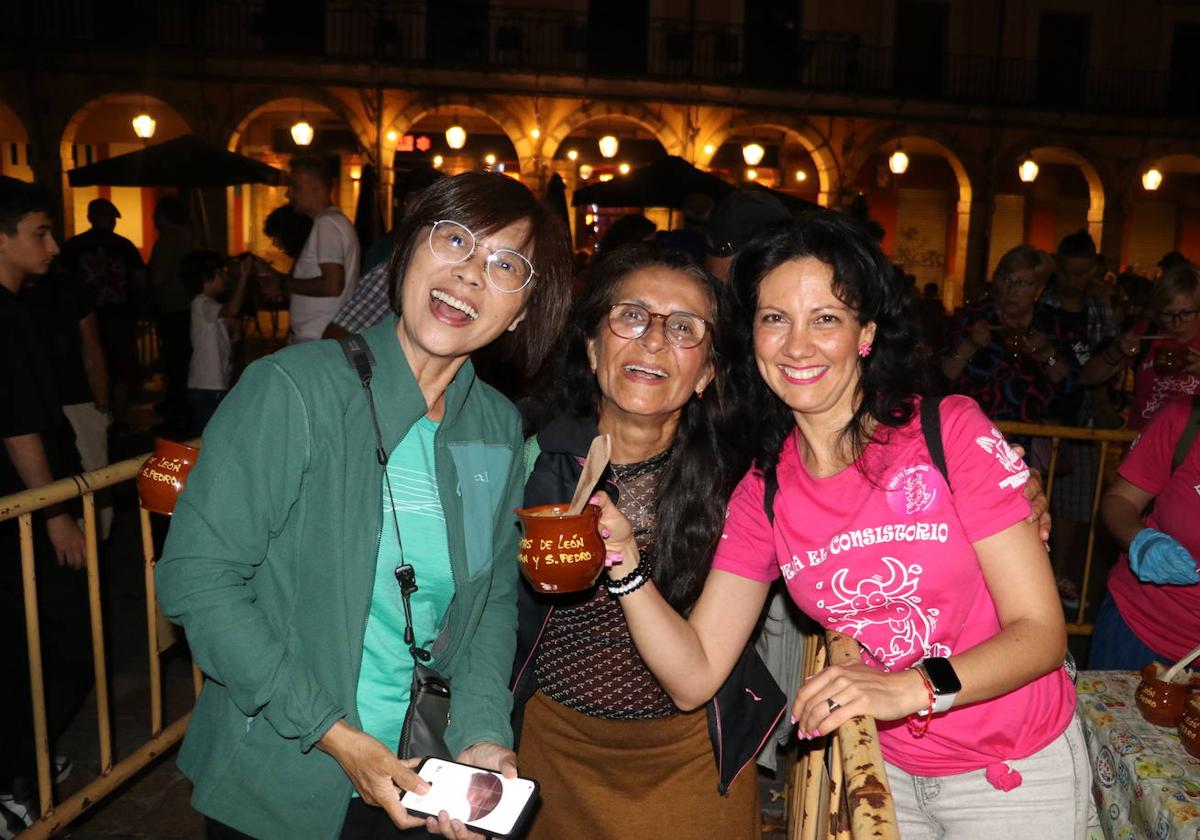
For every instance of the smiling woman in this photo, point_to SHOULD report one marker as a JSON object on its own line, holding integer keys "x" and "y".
{"x": 319, "y": 489}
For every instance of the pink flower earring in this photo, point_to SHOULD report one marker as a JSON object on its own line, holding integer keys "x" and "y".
{"x": 864, "y": 349}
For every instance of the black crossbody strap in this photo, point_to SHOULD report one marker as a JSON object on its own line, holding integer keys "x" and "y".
{"x": 931, "y": 427}
{"x": 358, "y": 354}
{"x": 1190, "y": 430}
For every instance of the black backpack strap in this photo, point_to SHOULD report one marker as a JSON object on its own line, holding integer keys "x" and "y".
{"x": 1190, "y": 430}
{"x": 358, "y": 355}
{"x": 931, "y": 427}
{"x": 770, "y": 488}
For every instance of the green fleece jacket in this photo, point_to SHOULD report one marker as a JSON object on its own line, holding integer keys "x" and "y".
{"x": 269, "y": 566}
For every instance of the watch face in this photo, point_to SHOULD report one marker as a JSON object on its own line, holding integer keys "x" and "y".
{"x": 941, "y": 674}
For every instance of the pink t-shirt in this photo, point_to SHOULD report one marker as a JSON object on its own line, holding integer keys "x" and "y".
{"x": 886, "y": 557}
{"x": 1165, "y": 618}
{"x": 1151, "y": 389}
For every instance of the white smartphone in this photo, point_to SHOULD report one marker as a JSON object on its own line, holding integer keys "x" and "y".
{"x": 482, "y": 799}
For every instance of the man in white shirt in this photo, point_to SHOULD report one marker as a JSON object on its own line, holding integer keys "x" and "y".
{"x": 326, "y": 271}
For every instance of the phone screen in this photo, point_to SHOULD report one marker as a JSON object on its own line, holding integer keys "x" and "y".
{"x": 483, "y": 799}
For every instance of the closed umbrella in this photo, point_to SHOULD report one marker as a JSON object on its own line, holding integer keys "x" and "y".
{"x": 556, "y": 197}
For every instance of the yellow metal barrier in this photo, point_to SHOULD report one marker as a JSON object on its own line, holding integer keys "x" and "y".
{"x": 1109, "y": 443}
{"x": 22, "y": 507}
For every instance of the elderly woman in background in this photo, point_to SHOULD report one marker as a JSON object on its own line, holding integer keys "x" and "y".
{"x": 321, "y": 490}
{"x": 1164, "y": 352}
{"x": 1005, "y": 352}
{"x": 646, "y": 363}
{"x": 933, "y": 567}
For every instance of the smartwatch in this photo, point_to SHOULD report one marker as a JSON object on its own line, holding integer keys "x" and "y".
{"x": 940, "y": 673}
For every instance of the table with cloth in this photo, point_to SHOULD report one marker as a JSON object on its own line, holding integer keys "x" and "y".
{"x": 1145, "y": 783}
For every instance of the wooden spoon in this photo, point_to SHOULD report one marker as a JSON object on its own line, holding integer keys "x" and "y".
{"x": 597, "y": 462}
{"x": 1181, "y": 664}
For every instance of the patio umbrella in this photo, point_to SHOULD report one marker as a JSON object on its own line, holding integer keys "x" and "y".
{"x": 793, "y": 204}
{"x": 184, "y": 162}
{"x": 556, "y": 197}
{"x": 664, "y": 183}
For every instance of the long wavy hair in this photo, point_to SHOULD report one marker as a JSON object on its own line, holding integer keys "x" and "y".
{"x": 863, "y": 280}
{"x": 711, "y": 449}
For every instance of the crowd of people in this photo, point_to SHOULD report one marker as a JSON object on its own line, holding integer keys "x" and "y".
{"x": 782, "y": 406}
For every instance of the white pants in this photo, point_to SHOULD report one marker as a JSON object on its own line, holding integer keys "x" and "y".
{"x": 91, "y": 441}
{"x": 1051, "y": 803}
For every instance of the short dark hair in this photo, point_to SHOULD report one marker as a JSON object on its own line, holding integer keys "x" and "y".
{"x": 197, "y": 268}
{"x": 711, "y": 447}
{"x": 1077, "y": 244}
{"x": 487, "y": 202}
{"x": 172, "y": 208}
{"x": 865, "y": 281}
{"x": 290, "y": 227}
{"x": 317, "y": 167}
{"x": 17, "y": 200}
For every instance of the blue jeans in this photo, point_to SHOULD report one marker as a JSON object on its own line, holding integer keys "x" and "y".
{"x": 1115, "y": 647}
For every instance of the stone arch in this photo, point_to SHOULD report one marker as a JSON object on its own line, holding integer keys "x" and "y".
{"x": 943, "y": 146}
{"x": 317, "y": 96}
{"x": 12, "y": 130}
{"x": 817, "y": 145}
{"x": 494, "y": 109}
{"x": 1173, "y": 159}
{"x": 137, "y": 100}
{"x": 594, "y": 110}
{"x": 1053, "y": 150}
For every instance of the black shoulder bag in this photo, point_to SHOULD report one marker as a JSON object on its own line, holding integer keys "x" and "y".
{"x": 428, "y": 713}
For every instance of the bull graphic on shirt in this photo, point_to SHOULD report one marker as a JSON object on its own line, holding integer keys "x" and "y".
{"x": 885, "y": 615}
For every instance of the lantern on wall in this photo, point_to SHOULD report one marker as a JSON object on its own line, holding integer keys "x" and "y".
{"x": 1152, "y": 179}
{"x": 898, "y": 161}
{"x": 752, "y": 153}
{"x": 609, "y": 146}
{"x": 144, "y": 125}
{"x": 1028, "y": 170}
{"x": 302, "y": 133}
{"x": 456, "y": 136}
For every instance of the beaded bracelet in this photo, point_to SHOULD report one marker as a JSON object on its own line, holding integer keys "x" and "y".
{"x": 918, "y": 722}
{"x": 632, "y": 581}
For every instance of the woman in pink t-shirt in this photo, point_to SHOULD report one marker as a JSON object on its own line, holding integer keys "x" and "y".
{"x": 1152, "y": 610}
{"x": 946, "y": 585}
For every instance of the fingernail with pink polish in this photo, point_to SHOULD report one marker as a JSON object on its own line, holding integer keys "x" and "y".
{"x": 794, "y": 720}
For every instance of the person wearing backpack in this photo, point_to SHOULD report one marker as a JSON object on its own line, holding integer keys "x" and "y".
{"x": 1152, "y": 609}
{"x": 943, "y": 581}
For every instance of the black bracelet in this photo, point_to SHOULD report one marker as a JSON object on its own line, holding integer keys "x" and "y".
{"x": 634, "y": 580}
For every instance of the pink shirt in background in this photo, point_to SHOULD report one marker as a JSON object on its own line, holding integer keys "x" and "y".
{"x": 1152, "y": 390}
{"x": 886, "y": 557}
{"x": 1165, "y": 618}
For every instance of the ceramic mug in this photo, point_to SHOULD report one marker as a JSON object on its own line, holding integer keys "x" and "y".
{"x": 164, "y": 474}
{"x": 560, "y": 553}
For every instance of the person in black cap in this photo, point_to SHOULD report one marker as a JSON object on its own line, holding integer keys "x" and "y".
{"x": 111, "y": 269}
{"x": 734, "y": 222}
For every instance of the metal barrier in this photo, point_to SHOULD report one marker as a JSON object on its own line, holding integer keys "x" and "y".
{"x": 1110, "y": 443}
{"x": 22, "y": 506}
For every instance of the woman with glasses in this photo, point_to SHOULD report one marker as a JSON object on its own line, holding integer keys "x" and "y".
{"x": 1006, "y": 352}
{"x": 941, "y": 579}
{"x": 1164, "y": 352}
{"x": 321, "y": 487}
{"x": 645, "y": 360}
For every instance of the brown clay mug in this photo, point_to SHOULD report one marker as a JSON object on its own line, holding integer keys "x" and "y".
{"x": 164, "y": 474}
{"x": 1169, "y": 359}
{"x": 560, "y": 553}
{"x": 1189, "y": 726}
{"x": 1161, "y": 703}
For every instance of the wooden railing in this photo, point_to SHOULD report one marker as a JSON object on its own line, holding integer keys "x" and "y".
{"x": 22, "y": 507}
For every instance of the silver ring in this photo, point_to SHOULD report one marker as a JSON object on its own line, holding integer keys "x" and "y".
{"x": 833, "y": 704}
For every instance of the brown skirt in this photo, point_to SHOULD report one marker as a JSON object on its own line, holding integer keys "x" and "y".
{"x": 630, "y": 779}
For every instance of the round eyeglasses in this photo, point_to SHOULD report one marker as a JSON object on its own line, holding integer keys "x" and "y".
{"x": 1014, "y": 281}
{"x": 507, "y": 270}
{"x": 681, "y": 329}
{"x": 1178, "y": 316}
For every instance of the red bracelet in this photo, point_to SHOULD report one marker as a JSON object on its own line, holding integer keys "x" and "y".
{"x": 918, "y": 724}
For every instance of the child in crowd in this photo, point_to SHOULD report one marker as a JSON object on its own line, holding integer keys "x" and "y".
{"x": 215, "y": 327}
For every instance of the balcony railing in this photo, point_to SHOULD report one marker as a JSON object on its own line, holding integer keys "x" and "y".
{"x": 478, "y": 37}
